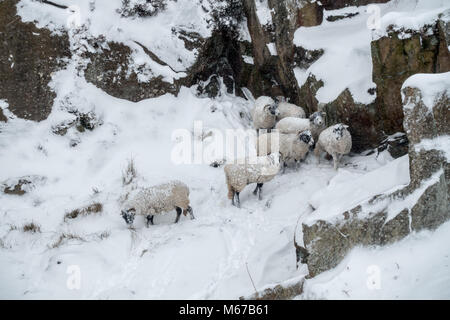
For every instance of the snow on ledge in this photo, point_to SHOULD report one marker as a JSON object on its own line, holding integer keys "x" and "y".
{"x": 430, "y": 85}
{"x": 339, "y": 197}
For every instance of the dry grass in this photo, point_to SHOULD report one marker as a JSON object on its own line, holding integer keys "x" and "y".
{"x": 130, "y": 172}
{"x": 64, "y": 237}
{"x": 93, "y": 208}
{"x": 31, "y": 227}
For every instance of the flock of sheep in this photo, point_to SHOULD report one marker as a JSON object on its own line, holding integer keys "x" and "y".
{"x": 296, "y": 135}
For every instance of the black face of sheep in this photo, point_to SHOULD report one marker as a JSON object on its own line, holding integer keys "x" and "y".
{"x": 128, "y": 215}
{"x": 273, "y": 109}
{"x": 338, "y": 130}
{"x": 307, "y": 138}
{"x": 318, "y": 118}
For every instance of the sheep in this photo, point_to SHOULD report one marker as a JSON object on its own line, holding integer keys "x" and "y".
{"x": 158, "y": 199}
{"x": 292, "y": 147}
{"x": 238, "y": 176}
{"x": 290, "y": 110}
{"x": 265, "y": 113}
{"x": 336, "y": 140}
{"x": 315, "y": 123}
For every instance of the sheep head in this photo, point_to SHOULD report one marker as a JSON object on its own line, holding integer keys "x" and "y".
{"x": 128, "y": 215}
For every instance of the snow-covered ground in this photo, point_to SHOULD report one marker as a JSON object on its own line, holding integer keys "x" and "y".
{"x": 214, "y": 255}
{"x": 204, "y": 258}
{"x": 418, "y": 267}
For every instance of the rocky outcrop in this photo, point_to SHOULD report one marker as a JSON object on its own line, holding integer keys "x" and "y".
{"x": 398, "y": 56}
{"x": 109, "y": 69}
{"x": 423, "y": 204}
{"x": 28, "y": 57}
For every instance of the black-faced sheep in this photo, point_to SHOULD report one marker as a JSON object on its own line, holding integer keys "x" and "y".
{"x": 315, "y": 123}
{"x": 265, "y": 113}
{"x": 336, "y": 141}
{"x": 292, "y": 147}
{"x": 238, "y": 176}
{"x": 290, "y": 110}
{"x": 158, "y": 199}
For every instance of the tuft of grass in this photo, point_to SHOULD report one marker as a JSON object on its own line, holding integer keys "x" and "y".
{"x": 64, "y": 237}
{"x": 130, "y": 172}
{"x": 93, "y": 208}
{"x": 31, "y": 227}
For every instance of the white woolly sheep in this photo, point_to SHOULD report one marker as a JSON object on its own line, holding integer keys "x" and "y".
{"x": 290, "y": 110}
{"x": 315, "y": 123}
{"x": 336, "y": 140}
{"x": 292, "y": 147}
{"x": 158, "y": 199}
{"x": 238, "y": 176}
{"x": 265, "y": 113}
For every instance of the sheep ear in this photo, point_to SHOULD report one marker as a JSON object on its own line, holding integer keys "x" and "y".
{"x": 323, "y": 114}
{"x": 346, "y": 126}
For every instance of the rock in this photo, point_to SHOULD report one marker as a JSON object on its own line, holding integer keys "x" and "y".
{"x": 279, "y": 292}
{"x": 3, "y": 118}
{"x": 310, "y": 14}
{"x": 110, "y": 71}
{"x": 395, "y": 59}
{"x": 338, "y": 4}
{"x": 423, "y": 204}
{"x": 28, "y": 57}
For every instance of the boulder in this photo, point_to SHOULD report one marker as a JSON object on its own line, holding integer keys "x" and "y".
{"x": 28, "y": 58}
{"x": 423, "y": 204}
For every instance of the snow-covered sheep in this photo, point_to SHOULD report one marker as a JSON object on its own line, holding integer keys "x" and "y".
{"x": 265, "y": 113}
{"x": 292, "y": 147}
{"x": 315, "y": 123}
{"x": 287, "y": 109}
{"x": 238, "y": 175}
{"x": 158, "y": 199}
{"x": 336, "y": 140}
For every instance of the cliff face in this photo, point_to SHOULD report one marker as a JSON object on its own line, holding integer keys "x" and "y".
{"x": 422, "y": 204}
{"x": 396, "y": 58}
{"x": 28, "y": 57}
{"x": 270, "y": 46}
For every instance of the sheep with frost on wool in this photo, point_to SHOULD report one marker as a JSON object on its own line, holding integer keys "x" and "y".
{"x": 287, "y": 109}
{"x": 315, "y": 123}
{"x": 158, "y": 199}
{"x": 264, "y": 113}
{"x": 239, "y": 175}
{"x": 336, "y": 141}
{"x": 292, "y": 147}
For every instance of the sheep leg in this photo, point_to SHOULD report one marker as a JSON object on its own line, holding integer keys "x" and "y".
{"x": 260, "y": 190}
{"x": 149, "y": 220}
{"x": 255, "y": 192}
{"x": 335, "y": 161}
{"x": 284, "y": 167}
{"x": 238, "y": 201}
{"x": 179, "y": 211}
{"x": 232, "y": 198}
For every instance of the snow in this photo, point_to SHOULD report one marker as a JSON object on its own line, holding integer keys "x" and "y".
{"x": 417, "y": 267}
{"x": 205, "y": 258}
{"x": 431, "y": 86}
{"x": 347, "y": 58}
{"x": 441, "y": 143}
{"x": 414, "y": 17}
{"x": 263, "y": 12}
{"x": 348, "y": 189}
{"x": 158, "y": 36}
